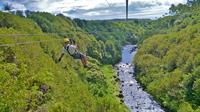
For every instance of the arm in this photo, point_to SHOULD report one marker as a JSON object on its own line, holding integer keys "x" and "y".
{"x": 61, "y": 57}
{"x": 77, "y": 46}
{"x": 72, "y": 41}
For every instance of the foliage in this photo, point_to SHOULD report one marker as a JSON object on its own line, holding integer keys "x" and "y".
{"x": 114, "y": 34}
{"x": 30, "y": 80}
{"x": 167, "y": 62}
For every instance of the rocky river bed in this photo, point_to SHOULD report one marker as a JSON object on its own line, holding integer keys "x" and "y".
{"x": 132, "y": 93}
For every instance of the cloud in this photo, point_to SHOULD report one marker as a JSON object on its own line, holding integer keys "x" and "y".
{"x": 137, "y": 9}
{"x": 97, "y": 9}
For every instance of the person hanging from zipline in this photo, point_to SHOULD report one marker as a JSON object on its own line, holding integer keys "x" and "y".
{"x": 71, "y": 48}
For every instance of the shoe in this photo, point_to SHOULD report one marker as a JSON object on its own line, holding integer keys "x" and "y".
{"x": 87, "y": 66}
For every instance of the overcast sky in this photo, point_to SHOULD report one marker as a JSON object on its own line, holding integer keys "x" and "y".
{"x": 96, "y": 9}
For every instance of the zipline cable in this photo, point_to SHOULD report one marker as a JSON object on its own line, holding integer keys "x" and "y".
{"x": 16, "y": 35}
{"x": 30, "y": 42}
{"x": 48, "y": 34}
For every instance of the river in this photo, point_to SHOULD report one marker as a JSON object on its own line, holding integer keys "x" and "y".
{"x": 132, "y": 93}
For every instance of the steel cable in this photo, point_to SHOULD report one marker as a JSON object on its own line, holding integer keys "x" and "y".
{"x": 25, "y": 43}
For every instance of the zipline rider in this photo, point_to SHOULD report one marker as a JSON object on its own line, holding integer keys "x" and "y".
{"x": 70, "y": 48}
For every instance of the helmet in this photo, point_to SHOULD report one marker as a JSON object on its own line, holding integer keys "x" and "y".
{"x": 66, "y": 40}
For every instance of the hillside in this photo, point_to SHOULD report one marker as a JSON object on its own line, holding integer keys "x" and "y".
{"x": 115, "y": 32}
{"x": 167, "y": 63}
{"x": 30, "y": 80}
{"x": 168, "y": 60}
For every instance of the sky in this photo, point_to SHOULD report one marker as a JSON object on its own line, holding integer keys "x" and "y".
{"x": 96, "y": 9}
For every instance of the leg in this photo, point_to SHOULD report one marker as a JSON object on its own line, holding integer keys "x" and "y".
{"x": 82, "y": 57}
{"x": 84, "y": 60}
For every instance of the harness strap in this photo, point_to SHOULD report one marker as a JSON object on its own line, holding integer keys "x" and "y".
{"x": 67, "y": 48}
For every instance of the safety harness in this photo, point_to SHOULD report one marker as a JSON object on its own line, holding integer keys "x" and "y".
{"x": 67, "y": 48}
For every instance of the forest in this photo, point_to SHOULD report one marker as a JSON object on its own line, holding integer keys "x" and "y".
{"x": 115, "y": 32}
{"x": 168, "y": 60}
{"x": 30, "y": 78}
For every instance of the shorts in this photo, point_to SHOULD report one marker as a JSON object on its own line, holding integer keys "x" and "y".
{"x": 78, "y": 55}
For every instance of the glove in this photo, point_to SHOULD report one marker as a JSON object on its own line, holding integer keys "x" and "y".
{"x": 59, "y": 59}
